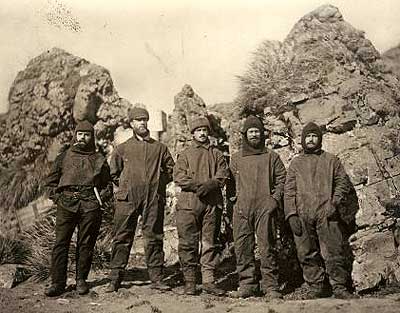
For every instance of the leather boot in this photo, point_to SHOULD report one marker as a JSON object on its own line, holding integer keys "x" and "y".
{"x": 272, "y": 295}
{"x": 115, "y": 282}
{"x": 190, "y": 288}
{"x": 156, "y": 276}
{"x": 82, "y": 287}
{"x": 212, "y": 289}
{"x": 55, "y": 290}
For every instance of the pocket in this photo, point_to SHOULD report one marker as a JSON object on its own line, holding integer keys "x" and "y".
{"x": 122, "y": 195}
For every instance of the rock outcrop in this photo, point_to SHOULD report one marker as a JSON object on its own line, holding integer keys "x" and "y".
{"x": 55, "y": 90}
{"x": 326, "y": 71}
{"x": 392, "y": 59}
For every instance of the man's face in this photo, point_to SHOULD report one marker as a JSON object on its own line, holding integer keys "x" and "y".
{"x": 311, "y": 141}
{"x": 253, "y": 135}
{"x": 139, "y": 126}
{"x": 200, "y": 134}
{"x": 83, "y": 138}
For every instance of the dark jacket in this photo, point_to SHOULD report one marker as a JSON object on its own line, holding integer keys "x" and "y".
{"x": 313, "y": 181}
{"x": 141, "y": 169}
{"x": 73, "y": 177}
{"x": 258, "y": 179}
{"x": 195, "y": 165}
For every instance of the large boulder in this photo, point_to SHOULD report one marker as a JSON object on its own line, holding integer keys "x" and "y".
{"x": 187, "y": 106}
{"x": 326, "y": 71}
{"x": 46, "y": 99}
{"x": 392, "y": 59}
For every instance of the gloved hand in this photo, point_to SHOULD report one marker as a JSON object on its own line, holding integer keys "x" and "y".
{"x": 206, "y": 187}
{"x": 295, "y": 225}
{"x": 332, "y": 210}
{"x": 392, "y": 207}
{"x": 273, "y": 205}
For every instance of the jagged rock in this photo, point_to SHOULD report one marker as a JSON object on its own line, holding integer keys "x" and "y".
{"x": 188, "y": 105}
{"x": 392, "y": 59}
{"x": 326, "y": 71}
{"x": 45, "y": 100}
{"x": 376, "y": 260}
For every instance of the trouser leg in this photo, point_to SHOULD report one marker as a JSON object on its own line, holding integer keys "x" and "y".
{"x": 332, "y": 250}
{"x": 88, "y": 230}
{"x": 211, "y": 225}
{"x": 153, "y": 235}
{"x": 308, "y": 254}
{"x": 125, "y": 222}
{"x": 65, "y": 224}
{"x": 188, "y": 246}
{"x": 266, "y": 237}
{"x": 244, "y": 240}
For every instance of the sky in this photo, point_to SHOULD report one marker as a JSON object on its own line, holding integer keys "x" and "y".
{"x": 152, "y": 48}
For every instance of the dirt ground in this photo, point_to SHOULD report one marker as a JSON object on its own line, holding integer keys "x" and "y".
{"x": 136, "y": 296}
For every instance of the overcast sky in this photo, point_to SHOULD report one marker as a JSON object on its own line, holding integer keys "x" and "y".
{"x": 153, "y": 48}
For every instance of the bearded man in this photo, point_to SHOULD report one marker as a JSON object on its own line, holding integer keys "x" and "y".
{"x": 79, "y": 176}
{"x": 141, "y": 168}
{"x": 316, "y": 185}
{"x": 259, "y": 178}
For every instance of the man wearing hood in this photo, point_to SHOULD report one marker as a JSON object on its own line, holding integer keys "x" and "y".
{"x": 201, "y": 172}
{"x": 141, "y": 168}
{"x": 259, "y": 178}
{"x": 316, "y": 185}
{"x": 75, "y": 174}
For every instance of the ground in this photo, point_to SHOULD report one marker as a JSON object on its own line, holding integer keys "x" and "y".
{"x": 136, "y": 296}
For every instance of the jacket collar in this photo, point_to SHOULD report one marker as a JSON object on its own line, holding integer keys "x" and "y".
{"x": 197, "y": 144}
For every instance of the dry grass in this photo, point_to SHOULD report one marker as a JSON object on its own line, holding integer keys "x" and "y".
{"x": 20, "y": 185}
{"x": 13, "y": 250}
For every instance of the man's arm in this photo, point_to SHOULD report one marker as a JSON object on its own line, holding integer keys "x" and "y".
{"x": 290, "y": 193}
{"x": 116, "y": 166}
{"x": 342, "y": 183}
{"x": 105, "y": 183}
{"x": 279, "y": 179}
{"x": 54, "y": 176}
{"x": 181, "y": 175}
{"x": 222, "y": 174}
{"x": 167, "y": 166}
{"x": 231, "y": 184}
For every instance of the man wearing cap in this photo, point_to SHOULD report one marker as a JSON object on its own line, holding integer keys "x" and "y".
{"x": 75, "y": 174}
{"x": 200, "y": 172}
{"x": 316, "y": 185}
{"x": 141, "y": 168}
{"x": 258, "y": 175}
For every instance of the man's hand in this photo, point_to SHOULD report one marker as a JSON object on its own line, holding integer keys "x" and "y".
{"x": 295, "y": 225}
{"x": 272, "y": 204}
{"x": 332, "y": 210}
{"x": 207, "y": 187}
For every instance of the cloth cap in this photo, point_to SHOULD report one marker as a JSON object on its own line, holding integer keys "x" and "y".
{"x": 137, "y": 113}
{"x": 311, "y": 128}
{"x": 199, "y": 122}
{"x": 84, "y": 126}
{"x": 252, "y": 122}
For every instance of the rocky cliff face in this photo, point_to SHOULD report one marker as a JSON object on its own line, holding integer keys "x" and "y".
{"x": 392, "y": 59}
{"x": 55, "y": 90}
{"x": 326, "y": 71}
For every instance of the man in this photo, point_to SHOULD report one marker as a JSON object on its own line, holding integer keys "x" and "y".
{"x": 141, "y": 167}
{"x": 201, "y": 172}
{"x": 259, "y": 177}
{"x": 74, "y": 176}
{"x": 316, "y": 185}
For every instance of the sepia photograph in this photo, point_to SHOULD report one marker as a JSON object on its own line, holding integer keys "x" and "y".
{"x": 199, "y": 156}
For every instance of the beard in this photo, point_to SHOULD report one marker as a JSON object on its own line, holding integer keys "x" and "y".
{"x": 254, "y": 142}
{"x": 141, "y": 131}
{"x": 81, "y": 144}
